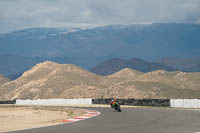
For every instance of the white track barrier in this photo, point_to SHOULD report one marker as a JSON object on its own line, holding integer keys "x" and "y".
{"x": 185, "y": 103}
{"x": 54, "y": 101}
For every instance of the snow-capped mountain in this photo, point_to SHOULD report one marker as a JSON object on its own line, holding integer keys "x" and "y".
{"x": 40, "y": 33}
{"x": 88, "y": 47}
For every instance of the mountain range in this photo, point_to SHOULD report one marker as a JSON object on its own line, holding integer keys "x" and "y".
{"x": 97, "y": 49}
{"x": 89, "y": 47}
{"x": 13, "y": 66}
{"x": 52, "y": 80}
{"x": 114, "y": 65}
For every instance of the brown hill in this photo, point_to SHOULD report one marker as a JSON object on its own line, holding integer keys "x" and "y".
{"x": 171, "y": 84}
{"x": 126, "y": 73}
{"x": 156, "y": 84}
{"x": 52, "y": 80}
{"x": 127, "y": 84}
{"x": 176, "y": 79}
{"x": 3, "y": 80}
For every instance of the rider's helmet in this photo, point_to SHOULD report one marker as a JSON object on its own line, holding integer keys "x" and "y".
{"x": 112, "y": 99}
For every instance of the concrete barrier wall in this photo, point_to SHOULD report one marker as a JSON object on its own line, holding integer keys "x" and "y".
{"x": 136, "y": 102}
{"x": 54, "y": 101}
{"x": 185, "y": 103}
{"x": 174, "y": 103}
{"x": 8, "y": 102}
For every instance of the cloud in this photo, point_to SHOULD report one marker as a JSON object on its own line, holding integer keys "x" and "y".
{"x": 19, "y": 14}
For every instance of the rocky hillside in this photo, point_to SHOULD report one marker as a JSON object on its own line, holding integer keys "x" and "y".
{"x": 155, "y": 84}
{"x": 52, "y": 80}
{"x": 3, "y": 80}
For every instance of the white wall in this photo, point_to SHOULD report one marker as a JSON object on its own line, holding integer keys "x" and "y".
{"x": 54, "y": 101}
{"x": 185, "y": 103}
{"x": 177, "y": 103}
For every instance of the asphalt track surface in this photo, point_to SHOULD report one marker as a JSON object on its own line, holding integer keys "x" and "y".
{"x": 131, "y": 120}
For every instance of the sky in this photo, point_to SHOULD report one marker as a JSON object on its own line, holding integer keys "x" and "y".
{"x": 21, "y": 14}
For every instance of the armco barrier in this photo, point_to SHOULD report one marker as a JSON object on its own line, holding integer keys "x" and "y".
{"x": 8, "y": 102}
{"x": 54, "y": 101}
{"x": 185, "y": 103}
{"x": 136, "y": 102}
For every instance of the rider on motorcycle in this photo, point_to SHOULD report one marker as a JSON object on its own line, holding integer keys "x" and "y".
{"x": 114, "y": 103}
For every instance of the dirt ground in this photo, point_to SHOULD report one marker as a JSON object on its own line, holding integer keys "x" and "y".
{"x": 23, "y": 117}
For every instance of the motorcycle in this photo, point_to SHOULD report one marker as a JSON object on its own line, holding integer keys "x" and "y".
{"x": 116, "y": 107}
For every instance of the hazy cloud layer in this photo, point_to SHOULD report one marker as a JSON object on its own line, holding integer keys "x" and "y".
{"x": 19, "y": 14}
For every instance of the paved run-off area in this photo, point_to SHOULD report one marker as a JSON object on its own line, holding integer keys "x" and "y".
{"x": 131, "y": 120}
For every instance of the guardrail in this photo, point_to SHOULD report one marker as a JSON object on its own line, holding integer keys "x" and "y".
{"x": 174, "y": 103}
{"x": 136, "y": 102}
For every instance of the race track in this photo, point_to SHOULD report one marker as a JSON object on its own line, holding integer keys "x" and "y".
{"x": 131, "y": 120}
